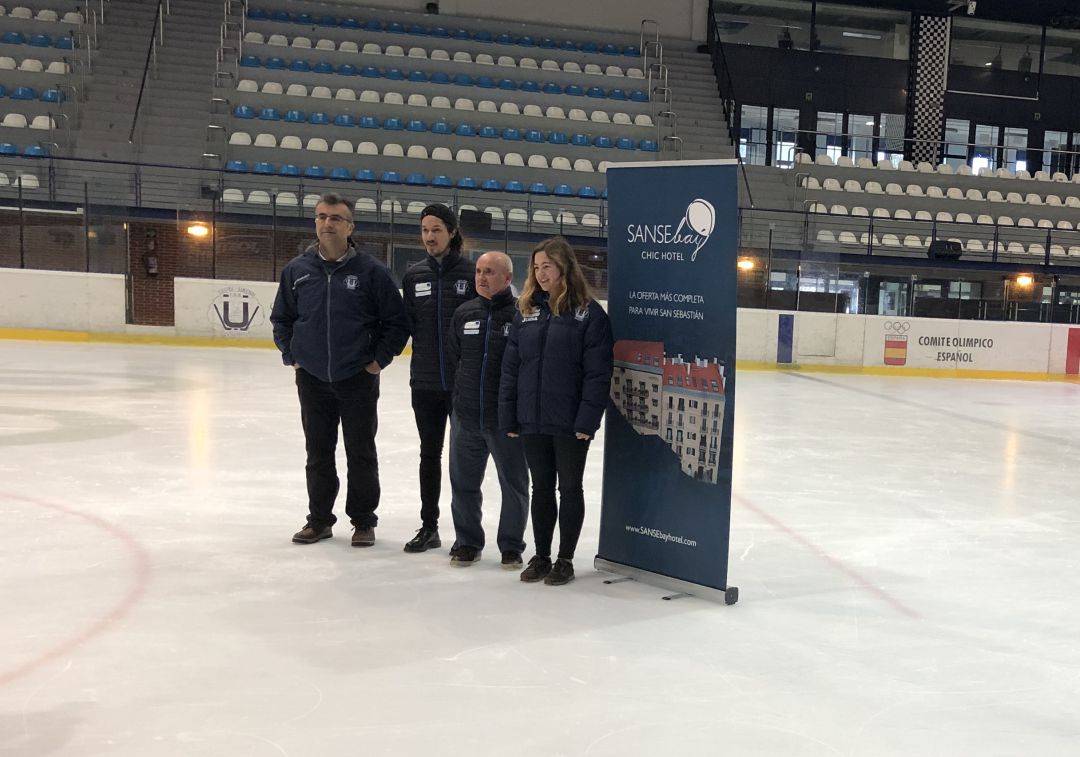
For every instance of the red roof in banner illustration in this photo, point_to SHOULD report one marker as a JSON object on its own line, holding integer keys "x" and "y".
{"x": 701, "y": 376}
{"x": 648, "y": 354}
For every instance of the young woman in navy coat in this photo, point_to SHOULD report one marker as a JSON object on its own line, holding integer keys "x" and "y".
{"x": 556, "y": 375}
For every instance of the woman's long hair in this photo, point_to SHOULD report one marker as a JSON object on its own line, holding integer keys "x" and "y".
{"x": 570, "y": 293}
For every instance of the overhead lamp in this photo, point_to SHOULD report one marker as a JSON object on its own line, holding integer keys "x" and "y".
{"x": 1025, "y": 280}
{"x": 199, "y": 230}
{"x": 746, "y": 264}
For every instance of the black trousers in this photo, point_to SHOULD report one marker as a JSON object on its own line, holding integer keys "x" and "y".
{"x": 556, "y": 460}
{"x": 352, "y": 403}
{"x": 432, "y": 411}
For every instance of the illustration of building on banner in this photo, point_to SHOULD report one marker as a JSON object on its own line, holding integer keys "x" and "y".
{"x": 681, "y": 402}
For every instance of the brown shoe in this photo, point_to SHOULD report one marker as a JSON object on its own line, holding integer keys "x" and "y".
{"x": 363, "y": 537}
{"x": 310, "y": 534}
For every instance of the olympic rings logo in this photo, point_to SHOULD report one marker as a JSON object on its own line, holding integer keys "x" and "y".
{"x": 897, "y": 327}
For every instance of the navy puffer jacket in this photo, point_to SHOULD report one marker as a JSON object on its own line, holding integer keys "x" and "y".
{"x": 475, "y": 346}
{"x": 556, "y": 371}
{"x": 433, "y": 289}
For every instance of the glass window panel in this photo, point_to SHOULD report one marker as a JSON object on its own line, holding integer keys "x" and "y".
{"x": 753, "y": 134}
{"x": 785, "y": 129}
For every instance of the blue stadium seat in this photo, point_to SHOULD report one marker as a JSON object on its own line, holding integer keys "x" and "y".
{"x": 610, "y": 49}
{"x": 391, "y": 177}
{"x": 485, "y": 82}
{"x": 275, "y": 63}
{"x": 514, "y": 186}
{"x": 289, "y": 169}
{"x": 256, "y": 14}
{"x": 526, "y": 41}
{"x": 393, "y": 124}
{"x": 40, "y": 40}
{"x": 13, "y": 38}
{"x": 234, "y": 166}
{"x": 595, "y": 92}
{"x": 314, "y": 172}
{"x": 648, "y": 145}
{"x": 373, "y": 25}
{"x": 282, "y": 16}
{"x": 616, "y": 94}
{"x": 467, "y": 182}
{"x": 3, "y": 91}
{"x": 580, "y": 140}
{"x": 243, "y": 111}
{"x": 440, "y": 31}
{"x": 341, "y": 174}
{"x": 263, "y": 167}
{"x": 24, "y": 93}
{"x": 366, "y": 174}
{"x": 511, "y": 134}
{"x": 370, "y": 72}
{"x": 440, "y": 77}
{"x": 551, "y": 88}
{"x": 349, "y": 23}
{"x": 465, "y": 130}
{"x": 369, "y": 122}
{"x": 442, "y": 180}
{"x": 65, "y": 43}
{"x": 35, "y": 151}
{"x": 417, "y": 75}
{"x": 625, "y": 143}
{"x": 463, "y": 80}
{"x": 6, "y": 148}
{"x": 639, "y": 96}
{"x": 585, "y": 47}
{"x": 564, "y": 190}
{"x": 416, "y": 179}
{"x": 587, "y": 192}
{"x": 295, "y": 116}
{"x": 395, "y": 28}
{"x": 603, "y": 141}
{"x": 529, "y": 86}
{"x": 394, "y": 74}
{"x": 574, "y": 90}
{"x": 558, "y": 138}
{"x": 300, "y": 65}
{"x": 488, "y": 132}
{"x": 547, "y": 43}
{"x": 415, "y": 124}
{"x": 630, "y": 51}
{"x": 440, "y": 127}
{"x": 459, "y": 34}
{"x": 344, "y": 119}
{"x": 327, "y": 21}
{"x": 603, "y": 193}
{"x": 304, "y": 19}
{"x": 346, "y": 69}
{"x": 251, "y": 61}
{"x": 322, "y": 67}
{"x": 491, "y": 185}
{"x": 318, "y": 118}
{"x": 482, "y": 36}
{"x": 539, "y": 188}
{"x": 505, "y": 39}
{"x": 508, "y": 84}
{"x": 534, "y": 135}
{"x": 52, "y": 96}
{"x": 266, "y": 114}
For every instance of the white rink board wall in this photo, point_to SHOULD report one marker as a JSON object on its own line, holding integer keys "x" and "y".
{"x": 62, "y": 300}
{"x": 223, "y": 308}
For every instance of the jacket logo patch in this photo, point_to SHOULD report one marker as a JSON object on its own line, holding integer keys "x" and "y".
{"x": 582, "y": 313}
{"x": 461, "y": 286}
{"x": 532, "y": 315}
{"x": 471, "y": 328}
{"x": 423, "y": 289}
{"x": 506, "y": 329}
{"x": 351, "y": 281}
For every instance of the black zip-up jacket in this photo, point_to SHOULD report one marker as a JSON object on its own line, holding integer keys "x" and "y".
{"x": 474, "y": 348}
{"x": 433, "y": 290}
{"x": 332, "y": 319}
{"x": 556, "y": 371}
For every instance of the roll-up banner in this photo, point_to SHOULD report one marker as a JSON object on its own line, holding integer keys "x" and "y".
{"x": 672, "y": 244}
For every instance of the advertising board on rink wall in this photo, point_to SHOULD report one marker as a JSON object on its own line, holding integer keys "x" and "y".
{"x": 668, "y": 437}
{"x": 938, "y": 343}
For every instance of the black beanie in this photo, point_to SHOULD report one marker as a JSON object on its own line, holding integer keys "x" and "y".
{"x": 449, "y": 218}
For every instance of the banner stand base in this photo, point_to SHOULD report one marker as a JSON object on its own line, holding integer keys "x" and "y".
{"x": 728, "y": 596}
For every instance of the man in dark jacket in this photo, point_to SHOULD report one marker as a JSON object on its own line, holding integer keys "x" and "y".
{"x": 475, "y": 346}
{"x": 433, "y": 289}
{"x": 338, "y": 320}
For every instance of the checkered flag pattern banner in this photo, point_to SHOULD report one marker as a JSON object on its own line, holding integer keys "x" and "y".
{"x": 931, "y": 72}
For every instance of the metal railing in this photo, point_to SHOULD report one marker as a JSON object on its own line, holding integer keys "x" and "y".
{"x": 726, "y": 89}
{"x": 157, "y": 37}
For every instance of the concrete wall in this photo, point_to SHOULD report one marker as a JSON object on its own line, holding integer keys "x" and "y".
{"x": 226, "y": 309}
{"x": 62, "y": 300}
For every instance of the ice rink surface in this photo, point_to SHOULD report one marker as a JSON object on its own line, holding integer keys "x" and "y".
{"x": 906, "y": 551}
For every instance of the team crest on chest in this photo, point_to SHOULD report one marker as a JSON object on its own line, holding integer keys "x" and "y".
{"x": 351, "y": 281}
{"x": 461, "y": 286}
{"x": 582, "y": 313}
{"x": 506, "y": 329}
{"x": 532, "y": 315}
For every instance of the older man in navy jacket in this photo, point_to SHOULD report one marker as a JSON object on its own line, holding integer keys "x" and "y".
{"x": 475, "y": 344}
{"x": 338, "y": 320}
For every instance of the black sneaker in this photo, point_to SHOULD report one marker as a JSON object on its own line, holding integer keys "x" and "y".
{"x": 426, "y": 538}
{"x": 363, "y": 537}
{"x": 562, "y": 572}
{"x": 310, "y": 534}
{"x": 538, "y": 568}
{"x": 511, "y": 560}
{"x": 463, "y": 557}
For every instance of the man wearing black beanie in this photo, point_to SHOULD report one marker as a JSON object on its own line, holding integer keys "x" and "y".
{"x": 433, "y": 288}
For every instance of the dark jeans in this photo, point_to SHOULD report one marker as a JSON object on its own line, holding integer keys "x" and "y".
{"x": 352, "y": 403}
{"x": 432, "y": 410}
{"x": 469, "y": 452}
{"x": 556, "y": 459}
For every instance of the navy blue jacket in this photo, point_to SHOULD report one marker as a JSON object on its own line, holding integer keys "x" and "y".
{"x": 556, "y": 371}
{"x": 434, "y": 288}
{"x": 332, "y": 319}
{"x": 478, "y": 334}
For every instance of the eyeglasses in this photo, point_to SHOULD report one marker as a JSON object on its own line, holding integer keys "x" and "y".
{"x": 335, "y": 218}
